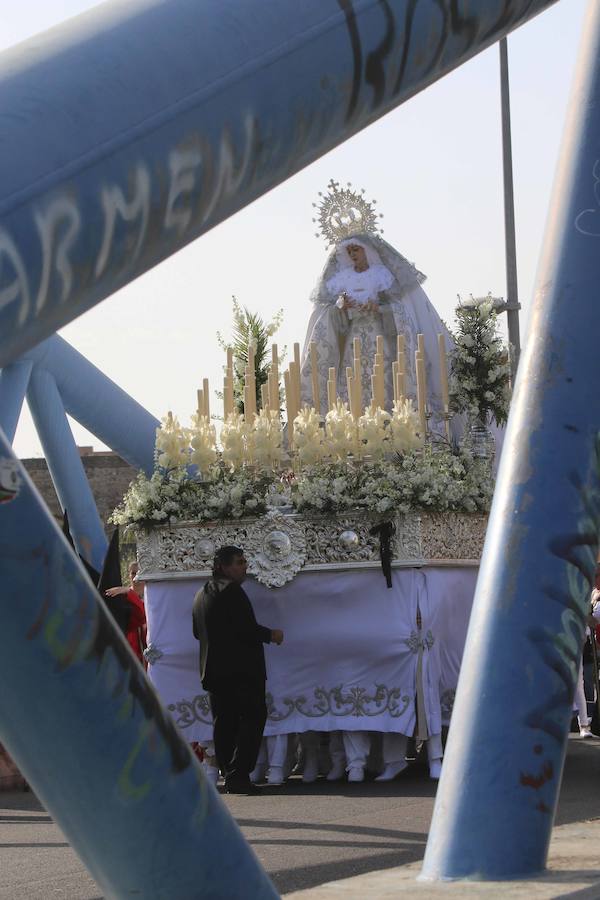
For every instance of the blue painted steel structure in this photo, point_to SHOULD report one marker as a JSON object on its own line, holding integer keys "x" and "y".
{"x": 160, "y": 118}
{"x": 57, "y": 380}
{"x": 135, "y": 165}
{"x": 502, "y": 771}
{"x": 112, "y": 766}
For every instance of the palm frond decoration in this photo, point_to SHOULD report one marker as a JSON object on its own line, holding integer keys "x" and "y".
{"x": 250, "y": 328}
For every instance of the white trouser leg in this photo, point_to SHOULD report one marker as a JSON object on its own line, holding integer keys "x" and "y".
{"x": 434, "y": 747}
{"x": 394, "y": 748}
{"x": 336, "y": 748}
{"x": 277, "y": 749}
{"x": 580, "y": 703}
{"x": 356, "y": 746}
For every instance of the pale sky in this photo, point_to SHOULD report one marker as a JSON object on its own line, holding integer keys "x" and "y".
{"x": 435, "y": 167}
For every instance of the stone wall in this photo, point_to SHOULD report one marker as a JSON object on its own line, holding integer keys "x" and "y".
{"x": 109, "y": 477}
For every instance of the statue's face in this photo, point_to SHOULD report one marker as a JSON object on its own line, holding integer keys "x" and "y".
{"x": 358, "y": 256}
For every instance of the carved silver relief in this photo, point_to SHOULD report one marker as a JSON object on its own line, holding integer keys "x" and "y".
{"x": 278, "y": 545}
{"x": 275, "y": 548}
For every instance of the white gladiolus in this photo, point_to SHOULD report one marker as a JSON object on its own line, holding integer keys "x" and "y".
{"x": 233, "y": 440}
{"x": 172, "y": 443}
{"x": 203, "y": 440}
{"x": 308, "y": 437}
{"x": 373, "y": 430}
{"x": 405, "y": 426}
{"x": 267, "y": 438}
{"x": 340, "y": 431}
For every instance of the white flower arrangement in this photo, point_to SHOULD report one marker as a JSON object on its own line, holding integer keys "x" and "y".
{"x": 480, "y": 376}
{"x": 374, "y": 432}
{"x": 234, "y": 440}
{"x": 203, "y": 441}
{"x": 405, "y": 427}
{"x": 340, "y": 432}
{"x": 308, "y": 437}
{"x": 172, "y": 446}
{"x": 267, "y": 439}
{"x": 376, "y": 464}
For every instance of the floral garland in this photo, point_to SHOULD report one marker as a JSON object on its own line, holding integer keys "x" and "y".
{"x": 377, "y": 464}
{"x": 480, "y": 376}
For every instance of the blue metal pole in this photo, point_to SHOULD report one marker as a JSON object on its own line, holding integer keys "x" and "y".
{"x": 114, "y": 417}
{"x": 66, "y": 468}
{"x": 111, "y": 767}
{"x": 160, "y": 118}
{"x": 499, "y": 787}
{"x": 13, "y": 387}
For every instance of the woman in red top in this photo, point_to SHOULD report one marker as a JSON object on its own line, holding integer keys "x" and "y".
{"x": 136, "y": 629}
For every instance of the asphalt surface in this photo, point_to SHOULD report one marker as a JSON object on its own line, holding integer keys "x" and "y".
{"x": 303, "y": 835}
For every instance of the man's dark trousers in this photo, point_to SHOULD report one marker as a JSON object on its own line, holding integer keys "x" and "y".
{"x": 239, "y": 715}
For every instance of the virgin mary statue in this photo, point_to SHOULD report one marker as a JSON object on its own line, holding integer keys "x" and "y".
{"x": 368, "y": 289}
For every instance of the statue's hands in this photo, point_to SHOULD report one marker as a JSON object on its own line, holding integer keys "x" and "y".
{"x": 344, "y": 301}
{"x": 277, "y": 636}
{"x": 373, "y": 306}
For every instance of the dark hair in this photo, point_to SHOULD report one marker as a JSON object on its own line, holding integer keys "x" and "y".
{"x": 224, "y": 557}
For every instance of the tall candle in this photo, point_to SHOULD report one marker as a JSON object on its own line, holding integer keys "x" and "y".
{"x": 358, "y": 384}
{"x": 395, "y": 380}
{"x": 350, "y": 387}
{"x": 420, "y": 368}
{"x": 379, "y": 344}
{"x": 274, "y": 356}
{"x": 264, "y": 396}
{"x": 330, "y": 395}
{"x": 443, "y": 371}
{"x": 206, "y": 391}
{"x": 314, "y": 374}
{"x": 400, "y": 343}
{"x": 200, "y": 401}
{"x": 289, "y": 404}
{"x": 401, "y": 389}
{"x": 421, "y": 344}
{"x": 295, "y": 384}
{"x": 297, "y": 355}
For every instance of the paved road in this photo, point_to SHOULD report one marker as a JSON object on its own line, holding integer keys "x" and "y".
{"x": 304, "y": 836}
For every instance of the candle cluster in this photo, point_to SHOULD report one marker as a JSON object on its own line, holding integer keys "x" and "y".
{"x": 359, "y": 427}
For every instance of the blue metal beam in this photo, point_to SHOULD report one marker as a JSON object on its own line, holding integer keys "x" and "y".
{"x": 113, "y": 768}
{"x": 65, "y": 467}
{"x": 14, "y": 380}
{"x": 114, "y": 417}
{"x": 499, "y": 787}
{"x": 160, "y": 118}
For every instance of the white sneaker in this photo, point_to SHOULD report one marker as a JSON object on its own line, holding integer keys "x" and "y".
{"x": 356, "y": 774}
{"x": 311, "y": 770}
{"x": 275, "y": 775}
{"x": 435, "y": 769}
{"x": 391, "y": 770}
{"x": 211, "y": 773}
{"x": 586, "y": 731}
{"x": 258, "y": 774}
{"x": 336, "y": 771}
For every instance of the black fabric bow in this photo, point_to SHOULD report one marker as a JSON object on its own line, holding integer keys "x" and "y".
{"x": 386, "y": 531}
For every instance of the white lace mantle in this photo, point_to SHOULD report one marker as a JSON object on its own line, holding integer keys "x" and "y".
{"x": 361, "y": 286}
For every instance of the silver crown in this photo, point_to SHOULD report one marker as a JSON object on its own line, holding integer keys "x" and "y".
{"x": 343, "y": 212}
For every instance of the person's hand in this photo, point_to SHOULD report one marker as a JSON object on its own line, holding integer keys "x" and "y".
{"x": 373, "y": 306}
{"x": 114, "y": 592}
{"x": 277, "y": 636}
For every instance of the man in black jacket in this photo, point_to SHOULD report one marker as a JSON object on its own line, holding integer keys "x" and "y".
{"x": 232, "y": 667}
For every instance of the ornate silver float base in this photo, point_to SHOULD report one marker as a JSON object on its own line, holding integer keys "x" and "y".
{"x": 279, "y": 546}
